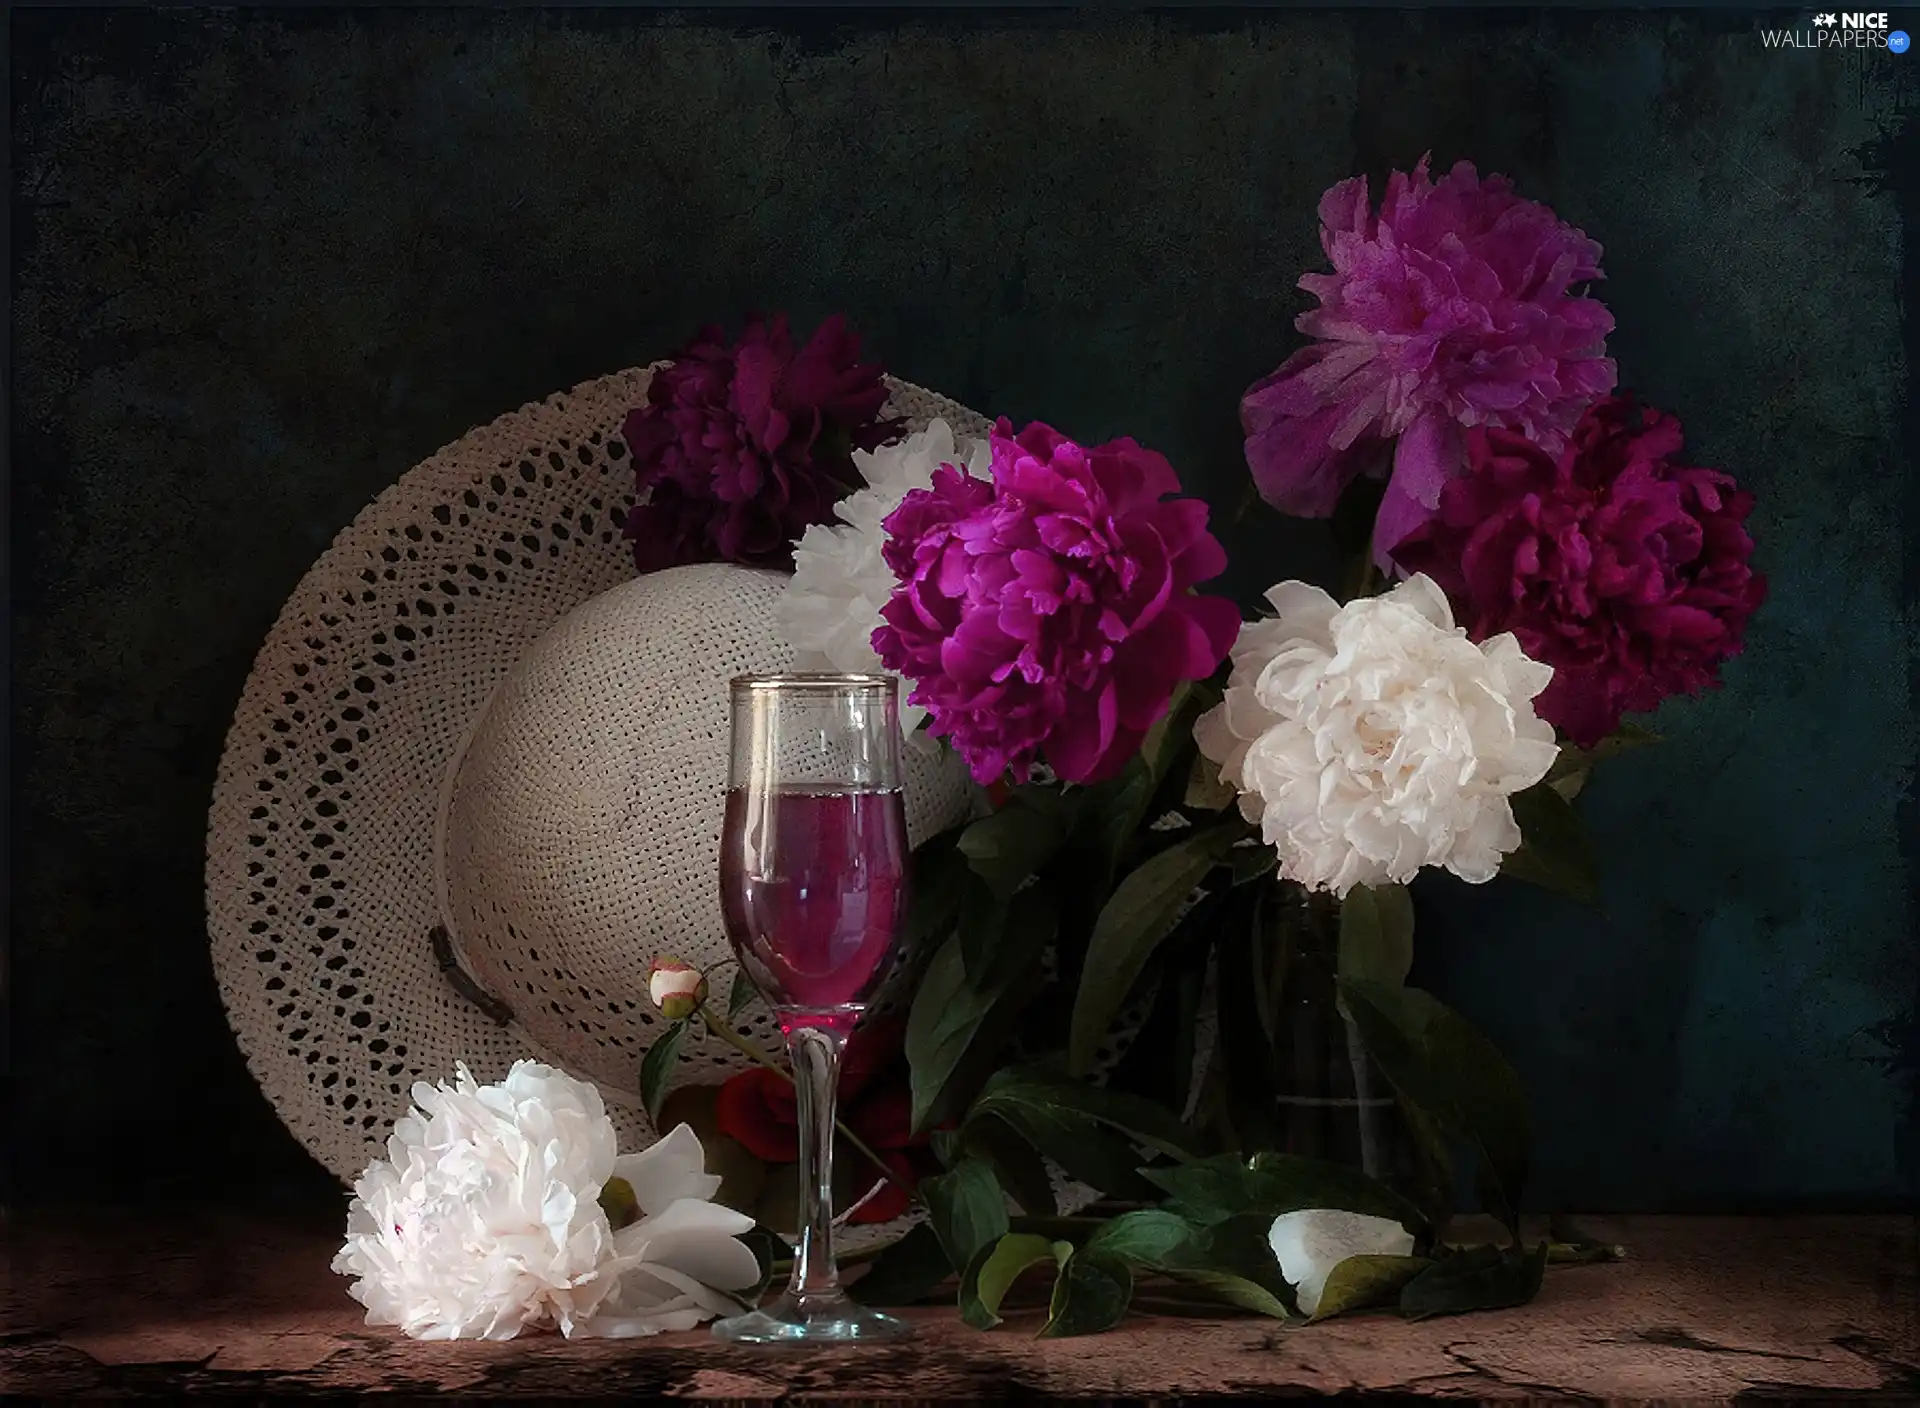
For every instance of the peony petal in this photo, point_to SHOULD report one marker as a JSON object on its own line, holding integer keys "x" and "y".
{"x": 1311, "y": 1242}
{"x": 672, "y": 1168}
{"x": 1303, "y": 609}
{"x": 704, "y": 1247}
{"x": 1078, "y": 746}
{"x": 1428, "y": 454}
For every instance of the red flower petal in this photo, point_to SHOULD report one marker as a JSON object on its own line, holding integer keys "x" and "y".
{"x": 883, "y": 1117}
{"x": 756, "y": 1110}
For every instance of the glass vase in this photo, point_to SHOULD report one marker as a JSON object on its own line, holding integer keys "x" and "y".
{"x": 1331, "y": 1101}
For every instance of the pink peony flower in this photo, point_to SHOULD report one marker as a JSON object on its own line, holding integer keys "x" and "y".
{"x": 1050, "y": 609}
{"x": 1452, "y": 308}
{"x": 1623, "y": 570}
{"x": 739, "y": 449}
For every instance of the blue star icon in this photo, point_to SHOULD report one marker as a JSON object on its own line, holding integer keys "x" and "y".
{"x": 1898, "y": 41}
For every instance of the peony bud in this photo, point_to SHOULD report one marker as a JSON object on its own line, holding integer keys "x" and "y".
{"x": 676, "y": 989}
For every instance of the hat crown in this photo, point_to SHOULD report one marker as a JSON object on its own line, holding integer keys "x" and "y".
{"x": 581, "y": 825}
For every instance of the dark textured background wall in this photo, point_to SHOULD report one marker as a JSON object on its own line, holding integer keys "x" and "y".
{"x": 264, "y": 262}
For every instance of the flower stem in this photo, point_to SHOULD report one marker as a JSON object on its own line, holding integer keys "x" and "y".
{"x": 1367, "y": 576}
{"x": 746, "y": 1048}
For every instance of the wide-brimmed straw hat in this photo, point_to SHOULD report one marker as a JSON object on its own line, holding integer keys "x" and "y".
{"x": 474, "y": 784}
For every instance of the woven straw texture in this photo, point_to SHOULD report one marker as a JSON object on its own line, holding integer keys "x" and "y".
{"x": 578, "y": 820}
{"x": 582, "y": 831}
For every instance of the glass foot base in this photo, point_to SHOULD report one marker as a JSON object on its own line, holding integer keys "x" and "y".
{"x": 812, "y": 1320}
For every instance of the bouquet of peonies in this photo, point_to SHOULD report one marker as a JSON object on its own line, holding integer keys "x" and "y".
{"x": 1175, "y": 804}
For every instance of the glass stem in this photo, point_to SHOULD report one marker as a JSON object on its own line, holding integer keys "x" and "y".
{"x": 815, "y": 1053}
{"x": 748, "y": 1049}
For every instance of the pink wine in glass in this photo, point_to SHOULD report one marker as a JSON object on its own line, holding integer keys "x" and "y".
{"x": 813, "y": 886}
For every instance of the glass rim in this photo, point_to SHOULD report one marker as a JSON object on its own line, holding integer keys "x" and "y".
{"x": 815, "y": 682}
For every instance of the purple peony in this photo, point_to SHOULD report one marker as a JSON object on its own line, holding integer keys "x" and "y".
{"x": 1452, "y": 308}
{"x": 739, "y": 449}
{"x": 1050, "y": 610}
{"x": 1624, "y": 571}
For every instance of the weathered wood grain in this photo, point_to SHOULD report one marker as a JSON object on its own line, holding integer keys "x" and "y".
{"x": 1704, "y": 1308}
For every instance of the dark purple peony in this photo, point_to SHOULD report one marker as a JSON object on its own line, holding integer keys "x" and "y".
{"x": 739, "y": 449}
{"x": 1625, "y": 571}
{"x": 1050, "y": 611}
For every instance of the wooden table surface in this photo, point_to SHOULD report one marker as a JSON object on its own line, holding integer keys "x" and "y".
{"x": 1703, "y": 1308}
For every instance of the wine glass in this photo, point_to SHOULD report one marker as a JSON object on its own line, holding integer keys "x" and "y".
{"x": 813, "y": 887}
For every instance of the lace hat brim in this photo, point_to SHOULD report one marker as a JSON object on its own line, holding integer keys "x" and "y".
{"x": 321, "y": 848}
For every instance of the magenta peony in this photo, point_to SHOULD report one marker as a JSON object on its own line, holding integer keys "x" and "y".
{"x": 1050, "y": 611}
{"x": 739, "y": 449}
{"x": 1625, "y": 571}
{"x": 1454, "y": 307}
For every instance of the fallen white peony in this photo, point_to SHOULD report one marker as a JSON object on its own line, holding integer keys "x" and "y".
{"x": 1310, "y": 1243}
{"x": 831, "y": 608}
{"x": 1373, "y": 739}
{"x": 485, "y": 1219}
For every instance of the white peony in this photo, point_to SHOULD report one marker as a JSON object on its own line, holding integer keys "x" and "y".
{"x": 1372, "y": 739}
{"x": 1311, "y": 1242}
{"x": 831, "y": 608}
{"x": 485, "y": 1219}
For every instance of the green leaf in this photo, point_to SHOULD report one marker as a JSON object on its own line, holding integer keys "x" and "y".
{"x": 768, "y": 1250}
{"x": 907, "y": 1272}
{"x": 742, "y": 992}
{"x": 941, "y": 877}
{"x": 1238, "y": 1291}
{"x": 1159, "y": 1063}
{"x": 1242, "y": 1073}
{"x": 1173, "y": 730}
{"x": 1070, "y": 1137}
{"x": 1149, "y": 1237}
{"x": 947, "y": 1146}
{"x": 1016, "y": 1163}
{"x": 1555, "y": 851}
{"x": 1118, "y": 806}
{"x": 656, "y": 1068}
{"x": 1434, "y": 1179}
{"x": 1234, "y": 1262}
{"x": 1376, "y": 933}
{"x": 618, "y": 1202}
{"x": 1363, "y": 1281}
{"x": 1141, "y": 912}
{"x": 1002, "y": 940}
{"x": 1005, "y": 848}
{"x": 966, "y": 1208}
{"x": 1061, "y": 804}
{"x": 1205, "y": 790}
{"x": 1254, "y": 862}
{"x": 994, "y": 1269}
{"x": 1214, "y": 1190}
{"x": 1574, "y": 766}
{"x": 1090, "y": 1294}
{"x": 944, "y": 1025}
{"x": 1573, "y": 761}
{"x": 1441, "y": 1064}
{"x": 1037, "y": 1087}
{"x": 1486, "y": 1278}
